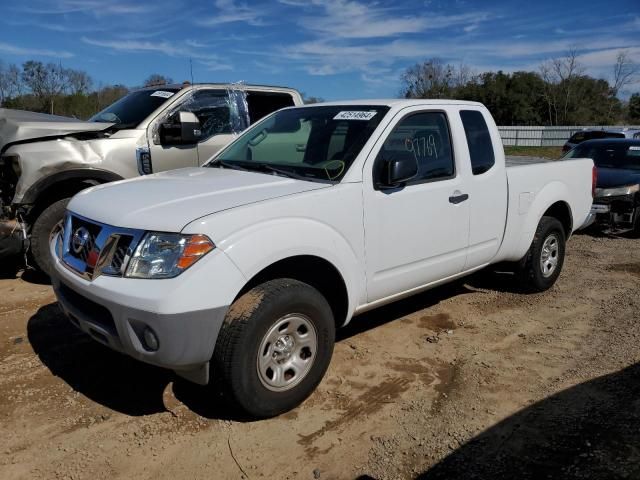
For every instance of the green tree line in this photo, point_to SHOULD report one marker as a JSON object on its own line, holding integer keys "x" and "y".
{"x": 51, "y": 88}
{"x": 559, "y": 93}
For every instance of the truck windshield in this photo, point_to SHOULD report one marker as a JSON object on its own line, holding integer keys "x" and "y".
{"x": 133, "y": 108}
{"x": 622, "y": 155}
{"x": 310, "y": 143}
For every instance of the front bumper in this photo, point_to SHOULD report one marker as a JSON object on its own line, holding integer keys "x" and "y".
{"x": 615, "y": 213}
{"x": 184, "y": 313}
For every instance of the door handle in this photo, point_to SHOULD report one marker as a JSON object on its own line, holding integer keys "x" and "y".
{"x": 458, "y": 197}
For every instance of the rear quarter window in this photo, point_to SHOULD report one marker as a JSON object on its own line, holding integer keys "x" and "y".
{"x": 478, "y": 140}
{"x": 262, "y": 104}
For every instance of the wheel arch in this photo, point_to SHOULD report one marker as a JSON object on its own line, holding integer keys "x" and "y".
{"x": 561, "y": 211}
{"x": 312, "y": 270}
{"x": 64, "y": 184}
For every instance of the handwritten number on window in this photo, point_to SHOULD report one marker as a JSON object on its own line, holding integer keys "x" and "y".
{"x": 422, "y": 147}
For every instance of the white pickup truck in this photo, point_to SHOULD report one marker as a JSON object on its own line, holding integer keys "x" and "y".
{"x": 241, "y": 270}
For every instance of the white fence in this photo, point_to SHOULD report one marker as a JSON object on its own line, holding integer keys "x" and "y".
{"x": 545, "y": 136}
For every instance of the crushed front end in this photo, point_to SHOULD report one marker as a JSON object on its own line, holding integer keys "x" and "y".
{"x": 13, "y": 236}
{"x": 617, "y": 209}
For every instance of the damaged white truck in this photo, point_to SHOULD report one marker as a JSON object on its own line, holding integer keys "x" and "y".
{"x": 46, "y": 159}
{"x": 239, "y": 272}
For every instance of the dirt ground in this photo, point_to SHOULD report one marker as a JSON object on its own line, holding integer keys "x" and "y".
{"x": 471, "y": 380}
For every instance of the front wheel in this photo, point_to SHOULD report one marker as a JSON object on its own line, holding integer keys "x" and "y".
{"x": 543, "y": 263}
{"x": 44, "y": 227}
{"x": 275, "y": 346}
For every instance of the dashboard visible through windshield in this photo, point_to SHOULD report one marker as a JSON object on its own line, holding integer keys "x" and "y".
{"x": 308, "y": 143}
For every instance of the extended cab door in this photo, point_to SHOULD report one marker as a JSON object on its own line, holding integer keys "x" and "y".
{"x": 418, "y": 233}
{"x": 487, "y": 186}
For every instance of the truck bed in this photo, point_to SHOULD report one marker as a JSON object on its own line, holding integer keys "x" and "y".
{"x": 516, "y": 160}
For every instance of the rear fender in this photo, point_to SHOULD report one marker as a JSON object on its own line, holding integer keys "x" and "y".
{"x": 525, "y": 214}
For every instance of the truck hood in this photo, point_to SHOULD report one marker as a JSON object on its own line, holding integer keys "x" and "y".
{"x": 617, "y": 177}
{"x": 18, "y": 126}
{"x": 168, "y": 201}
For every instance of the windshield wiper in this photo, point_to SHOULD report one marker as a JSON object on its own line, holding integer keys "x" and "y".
{"x": 281, "y": 171}
{"x": 230, "y": 165}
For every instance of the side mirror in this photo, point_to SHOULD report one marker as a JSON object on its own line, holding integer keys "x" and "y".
{"x": 184, "y": 130}
{"x": 397, "y": 171}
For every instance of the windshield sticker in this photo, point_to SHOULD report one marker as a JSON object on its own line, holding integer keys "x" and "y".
{"x": 634, "y": 148}
{"x": 162, "y": 93}
{"x": 354, "y": 115}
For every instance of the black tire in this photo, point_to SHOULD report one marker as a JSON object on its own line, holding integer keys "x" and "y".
{"x": 532, "y": 276}
{"x": 246, "y": 326}
{"x": 636, "y": 224}
{"x": 43, "y": 227}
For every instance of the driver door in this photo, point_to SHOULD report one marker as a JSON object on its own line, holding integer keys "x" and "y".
{"x": 416, "y": 233}
{"x": 211, "y": 107}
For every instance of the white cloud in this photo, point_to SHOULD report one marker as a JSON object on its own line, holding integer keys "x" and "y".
{"x": 95, "y": 7}
{"x": 172, "y": 49}
{"x": 344, "y": 19}
{"x": 229, "y": 12}
{"x": 9, "y": 49}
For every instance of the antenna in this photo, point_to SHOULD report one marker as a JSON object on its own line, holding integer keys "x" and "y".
{"x": 191, "y": 69}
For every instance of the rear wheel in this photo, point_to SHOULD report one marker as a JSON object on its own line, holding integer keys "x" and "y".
{"x": 543, "y": 263}
{"x": 275, "y": 346}
{"x": 44, "y": 227}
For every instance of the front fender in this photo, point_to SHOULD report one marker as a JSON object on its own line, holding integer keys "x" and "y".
{"x": 260, "y": 245}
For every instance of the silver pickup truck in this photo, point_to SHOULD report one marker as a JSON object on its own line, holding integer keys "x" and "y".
{"x": 45, "y": 159}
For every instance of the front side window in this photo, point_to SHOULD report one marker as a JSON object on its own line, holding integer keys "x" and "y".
{"x": 423, "y": 137}
{"x": 212, "y": 107}
{"x": 478, "y": 141}
{"x": 310, "y": 143}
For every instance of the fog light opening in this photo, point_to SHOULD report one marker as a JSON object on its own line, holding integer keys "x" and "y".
{"x": 150, "y": 339}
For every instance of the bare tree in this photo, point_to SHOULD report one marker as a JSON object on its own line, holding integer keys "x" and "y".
{"x": 432, "y": 79}
{"x": 625, "y": 72}
{"x": 10, "y": 84}
{"x": 79, "y": 82}
{"x": 560, "y": 75}
{"x": 155, "y": 79}
{"x": 45, "y": 81}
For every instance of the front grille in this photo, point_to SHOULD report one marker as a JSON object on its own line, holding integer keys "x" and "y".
{"x": 121, "y": 253}
{"x": 91, "y": 248}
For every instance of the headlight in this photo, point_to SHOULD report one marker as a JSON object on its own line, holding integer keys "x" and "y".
{"x": 617, "y": 192}
{"x": 167, "y": 255}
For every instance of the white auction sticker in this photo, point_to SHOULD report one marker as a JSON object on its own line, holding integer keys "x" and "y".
{"x": 162, "y": 93}
{"x": 634, "y": 148}
{"x": 354, "y": 115}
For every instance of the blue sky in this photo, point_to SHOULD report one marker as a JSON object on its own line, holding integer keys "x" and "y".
{"x": 335, "y": 49}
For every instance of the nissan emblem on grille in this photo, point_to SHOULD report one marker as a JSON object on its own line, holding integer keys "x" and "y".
{"x": 80, "y": 239}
